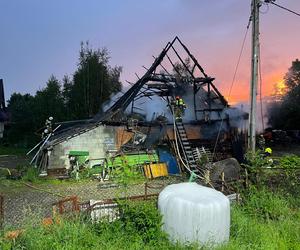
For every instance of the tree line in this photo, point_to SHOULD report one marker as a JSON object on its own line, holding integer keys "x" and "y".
{"x": 284, "y": 112}
{"x": 75, "y": 97}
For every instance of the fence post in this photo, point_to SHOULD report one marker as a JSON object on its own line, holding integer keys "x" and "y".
{"x": 146, "y": 190}
{"x": 223, "y": 181}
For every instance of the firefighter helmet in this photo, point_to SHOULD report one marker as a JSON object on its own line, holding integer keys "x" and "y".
{"x": 268, "y": 150}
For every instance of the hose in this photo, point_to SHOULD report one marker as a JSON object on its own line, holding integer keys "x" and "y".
{"x": 177, "y": 150}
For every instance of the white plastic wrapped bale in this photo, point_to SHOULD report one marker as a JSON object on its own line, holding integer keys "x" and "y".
{"x": 194, "y": 213}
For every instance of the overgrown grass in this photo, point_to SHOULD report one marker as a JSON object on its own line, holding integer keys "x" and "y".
{"x": 250, "y": 232}
{"x": 265, "y": 220}
{"x": 139, "y": 228}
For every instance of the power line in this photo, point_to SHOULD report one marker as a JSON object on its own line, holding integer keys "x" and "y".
{"x": 233, "y": 79}
{"x": 282, "y": 7}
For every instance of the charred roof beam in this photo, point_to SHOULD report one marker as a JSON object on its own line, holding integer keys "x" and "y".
{"x": 129, "y": 96}
{"x": 183, "y": 63}
{"x": 203, "y": 80}
{"x": 191, "y": 56}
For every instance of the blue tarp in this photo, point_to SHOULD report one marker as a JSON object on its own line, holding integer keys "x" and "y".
{"x": 169, "y": 159}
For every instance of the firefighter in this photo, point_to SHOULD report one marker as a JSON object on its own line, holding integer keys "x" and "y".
{"x": 267, "y": 155}
{"x": 45, "y": 133}
{"x": 268, "y": 152}
{"x": 179, "y": 108}
{"x": 48, "y": 127}
{"x": 181, "y": 104}
{"x": 48, "y": 123}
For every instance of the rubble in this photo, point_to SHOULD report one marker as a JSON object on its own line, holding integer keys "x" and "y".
{"x": 124, "y": 128}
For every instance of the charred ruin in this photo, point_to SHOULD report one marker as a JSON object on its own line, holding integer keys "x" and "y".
{"x": 141, "y": 121}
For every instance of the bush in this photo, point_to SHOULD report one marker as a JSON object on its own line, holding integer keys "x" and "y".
{"x": 31, "y": 175}
{"x": 290, "y": 162}
{"x": 255, "y": 162}
{"x": 142, "y": 218}
{"x": 126, "y": 175}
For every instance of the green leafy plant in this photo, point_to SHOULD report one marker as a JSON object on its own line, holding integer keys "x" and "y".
{"x": 142, "y": 218}
{"x": 290, "y": 162}
{"x": 255, "y": 162}
{"x": 127, "y": 175}
{"x": 31, "y": 175}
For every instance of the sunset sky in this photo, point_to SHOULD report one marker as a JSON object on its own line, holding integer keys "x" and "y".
{"x": 40, "y": 38}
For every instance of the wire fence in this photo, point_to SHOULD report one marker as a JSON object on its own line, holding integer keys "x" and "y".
{"x": 99, "y": 199}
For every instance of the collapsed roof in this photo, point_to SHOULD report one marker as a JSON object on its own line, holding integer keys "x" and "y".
{"x": 167, "y": 81}
{"x": 175, "y": 71}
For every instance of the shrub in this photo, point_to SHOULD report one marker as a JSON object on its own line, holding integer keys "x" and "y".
{"x": 31, "y": 175}
{"x": 126, "y": 175}
{"x": 142, "y": 218}
{"x": 290, "y": 162}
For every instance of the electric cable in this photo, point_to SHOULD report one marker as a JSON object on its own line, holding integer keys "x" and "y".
{"x": 284, "y": 8}
{"x": 233, "y": 80}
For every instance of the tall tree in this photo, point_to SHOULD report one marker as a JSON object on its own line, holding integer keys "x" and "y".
{"x": 292, "y": 77}
{"x": 285, "y": 114}
{"x": 67, "y": 96}
{"x": 49, "y": 102}
{"x": 22, "y": 119}
{"x": 81, "y": 97}
{"x": 93, "y": 82}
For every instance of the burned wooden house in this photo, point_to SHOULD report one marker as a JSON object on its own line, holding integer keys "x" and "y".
{"x": 143, "y": 118}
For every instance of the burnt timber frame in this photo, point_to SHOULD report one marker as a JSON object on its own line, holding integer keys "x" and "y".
{"x": 138, "y": 90}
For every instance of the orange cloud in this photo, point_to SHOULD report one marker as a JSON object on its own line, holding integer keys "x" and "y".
{"x": 272, "y": 84}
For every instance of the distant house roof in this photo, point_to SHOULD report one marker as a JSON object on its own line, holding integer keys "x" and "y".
{"x": 3, "y": 111}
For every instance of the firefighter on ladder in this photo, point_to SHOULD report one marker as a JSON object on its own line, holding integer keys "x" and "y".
{"x": 179, "y": 107}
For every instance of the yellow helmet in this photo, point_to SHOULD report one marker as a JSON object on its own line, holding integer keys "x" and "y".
{"x": 268, "y": 150}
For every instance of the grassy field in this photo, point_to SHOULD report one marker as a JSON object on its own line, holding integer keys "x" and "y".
{"x": 268, "y": 217}
{"x": 265, "y": 220}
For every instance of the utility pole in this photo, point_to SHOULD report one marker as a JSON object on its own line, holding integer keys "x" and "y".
{"x": 254, "y": 73}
